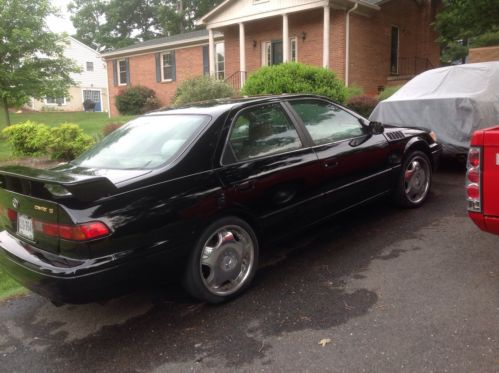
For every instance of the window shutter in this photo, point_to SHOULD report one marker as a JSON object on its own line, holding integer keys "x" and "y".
{"x": 158, "y": 67}
{"x": 206, "y": 60}
{"x": 127, "y": 62}
{"x": 174, "y": 66}
{"x": 115, "y": 73}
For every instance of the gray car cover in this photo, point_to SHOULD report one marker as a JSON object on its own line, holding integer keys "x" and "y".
{"x": 452, "y": 101}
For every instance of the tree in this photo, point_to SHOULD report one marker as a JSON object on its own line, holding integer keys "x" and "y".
{"x": 110, "y": 24}
{"x": 462, "y": 21}
{"x": 32, "y": 63}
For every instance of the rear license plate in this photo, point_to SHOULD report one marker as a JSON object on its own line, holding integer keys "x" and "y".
{"x": 25, "y": 226}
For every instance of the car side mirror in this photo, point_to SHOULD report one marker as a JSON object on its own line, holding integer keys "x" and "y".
{"x": 376, "y": 128}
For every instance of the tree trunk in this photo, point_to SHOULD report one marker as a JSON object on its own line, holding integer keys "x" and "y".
{"x": 6, "y": 111}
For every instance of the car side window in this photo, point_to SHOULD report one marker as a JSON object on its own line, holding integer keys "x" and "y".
{"x": 327, "y": 122}
{"x": 261, "y": 131}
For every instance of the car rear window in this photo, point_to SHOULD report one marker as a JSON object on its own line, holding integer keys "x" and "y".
{"x": 144, "y": 143}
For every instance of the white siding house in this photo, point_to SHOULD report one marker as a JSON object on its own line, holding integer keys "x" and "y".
{"x": 91, "y": 82}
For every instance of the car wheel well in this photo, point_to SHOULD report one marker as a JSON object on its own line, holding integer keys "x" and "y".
{"x": 421, "y": 146}
{"x": 243, "y": 215}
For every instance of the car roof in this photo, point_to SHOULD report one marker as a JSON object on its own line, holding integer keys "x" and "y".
{"x": 220, "y": 106}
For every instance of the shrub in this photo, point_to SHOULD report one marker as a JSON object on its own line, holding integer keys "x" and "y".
{"x": 137, "y": 100}
{"x": 388, "y": 92}
{"x": 67, "y": 141}
{"x": 27, "y": 139}
{"x": 364, "y": 105}
{"x": 354, "y": 91}
{"x": 110, "y": 127}
{"x": 201, "y": 88}
{"x": 89, "y": 105}
{"x": 488, "y": 39}
{"x": 295, "y": 78}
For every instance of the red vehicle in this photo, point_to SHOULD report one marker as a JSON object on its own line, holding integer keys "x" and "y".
{"x": 482, "y": 179}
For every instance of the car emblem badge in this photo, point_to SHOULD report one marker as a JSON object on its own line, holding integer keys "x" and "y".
{"x": 15, "y": 203}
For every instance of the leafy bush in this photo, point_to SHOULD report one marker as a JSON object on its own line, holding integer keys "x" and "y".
{"x": 354, "y": 91}
{"x": 488, "y": 39}
{"x": 68, "y": 141}
{"x": 27, "y": 139}
{"x": 364, "y": 105}
{"x": 388, "y": 92}
{"x": 201, "y": 88}
{"x": 295, "y": 78}
{"x": 111, "y": 127}
{"x": 137, "y": 100}
{"x": 89, "y": 105}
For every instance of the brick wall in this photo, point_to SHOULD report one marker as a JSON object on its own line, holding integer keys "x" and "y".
{"x": 189, "y": 63}
{"x": 484, "y": 54}
{"x": 370, "y": 41}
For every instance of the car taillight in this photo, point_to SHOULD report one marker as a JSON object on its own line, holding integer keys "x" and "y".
{"x": 474, "y": 179}
{"x": 81, "y": 232}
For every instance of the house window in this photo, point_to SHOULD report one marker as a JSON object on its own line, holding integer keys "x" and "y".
{"x": 394, "y": 51}
{"x": 273, "y": 54}
{"x": 90, "y": 66}
{"x": 220, "y": 61}
{"x": 122, "y": 72}
{"x": 167, "y": 66}
{"x": 59, "y": 101}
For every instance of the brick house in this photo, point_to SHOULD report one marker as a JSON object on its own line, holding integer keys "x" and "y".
{"x": 368, "y": 43}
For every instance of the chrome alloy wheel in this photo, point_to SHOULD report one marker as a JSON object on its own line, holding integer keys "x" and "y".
{"x": 227, "y": 259}
{"x": 417, "y": 179}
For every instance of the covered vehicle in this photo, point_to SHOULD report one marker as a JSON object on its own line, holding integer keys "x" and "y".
{"x": 452, "y": 101}
{"x": 195, "y": 190}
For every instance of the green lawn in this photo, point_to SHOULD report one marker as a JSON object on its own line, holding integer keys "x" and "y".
{"x": 9, "y": 287}
{"x": 92, "y": 123}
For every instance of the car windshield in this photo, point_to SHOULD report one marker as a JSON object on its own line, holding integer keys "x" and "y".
{"x": 144, "y": 143}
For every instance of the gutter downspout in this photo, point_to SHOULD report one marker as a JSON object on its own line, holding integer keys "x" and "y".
{"x": 347, "y": 43}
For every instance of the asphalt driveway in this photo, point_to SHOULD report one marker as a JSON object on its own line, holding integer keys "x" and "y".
{"x": 385, "y": 290}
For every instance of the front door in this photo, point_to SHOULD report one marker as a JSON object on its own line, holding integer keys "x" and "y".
{"x": 277, "y": 54}
{"x": 354, "y": 163}
{"x": 269, "y": 171}
{"x": 95, "y": 96}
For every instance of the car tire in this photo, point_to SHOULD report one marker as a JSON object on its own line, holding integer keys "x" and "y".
{"x": 223, "y": 262}
{"x": 414, "y": 181}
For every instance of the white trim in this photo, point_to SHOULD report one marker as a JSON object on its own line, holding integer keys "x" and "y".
{"x": 265, "y": 43}
{"x": 217, "y": 61}
{"x": 119, "y": 71}
{"x": 64, "y": 103}
{"x": 161, "y": 63}
{"x": 169, "y": 45}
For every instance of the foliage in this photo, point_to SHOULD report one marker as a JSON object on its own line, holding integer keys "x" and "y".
{"x": 461, "y": 21}
{"x": 388, "y": 92}
{"x": 32, "y": 63}
{"x": 27, "y": 139}
{"x": 8, "y": 287}
{"x": 111, "y": 127}
{"x": 62, "y": 142}
{"x": 364, "y": 105}
{"x": 354, "y": 91}
{"x": 89, "y": 105}
{"x": 200, "y": 89}
{"x": 486, "y": 40}
{"x": 295, "y": 78}
{"x": 68, "y": 141}
{"x": 111, "y": 24}
{"x": 137, "y": 100}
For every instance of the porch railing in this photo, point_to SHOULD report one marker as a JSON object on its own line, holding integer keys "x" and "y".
{"x": 234, "y": 80}
{"x": 411, "y": 66}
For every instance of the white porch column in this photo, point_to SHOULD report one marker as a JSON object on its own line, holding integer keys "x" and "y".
{"x": 211, "y": 53}
{"x": 285, "y": 38}
{"x": 327, "y": 30}
{"x": 242, "y": 53}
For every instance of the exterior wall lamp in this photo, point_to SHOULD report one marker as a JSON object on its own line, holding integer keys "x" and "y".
{"x": 303, "y": 35}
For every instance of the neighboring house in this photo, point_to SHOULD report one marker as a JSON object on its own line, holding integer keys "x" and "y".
{"x": 368, "y": 43}
{"x": 91, "y": 82}
{"x": 484, "y": 54}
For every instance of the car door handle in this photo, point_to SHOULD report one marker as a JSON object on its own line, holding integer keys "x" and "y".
{"x": 246, "y": 186}
{"x": 331, "y": 162}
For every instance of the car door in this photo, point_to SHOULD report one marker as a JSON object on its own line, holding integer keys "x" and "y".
{"x": 269, "y": 169}
{"x": 353, "y": 162}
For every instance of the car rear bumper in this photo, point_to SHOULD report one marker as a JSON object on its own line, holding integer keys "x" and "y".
{"x": 66, "y": 280}
{"x": 486, "y": 223}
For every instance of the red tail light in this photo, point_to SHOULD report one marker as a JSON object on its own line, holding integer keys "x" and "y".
{"x": 80, "y": 232}
{"x": 474, "y": 179}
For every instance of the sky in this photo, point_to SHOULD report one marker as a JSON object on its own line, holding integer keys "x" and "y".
{"x": 62, "y": 23}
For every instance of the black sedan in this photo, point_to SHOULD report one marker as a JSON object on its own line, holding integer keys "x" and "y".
{"x": 198, "y": 189}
